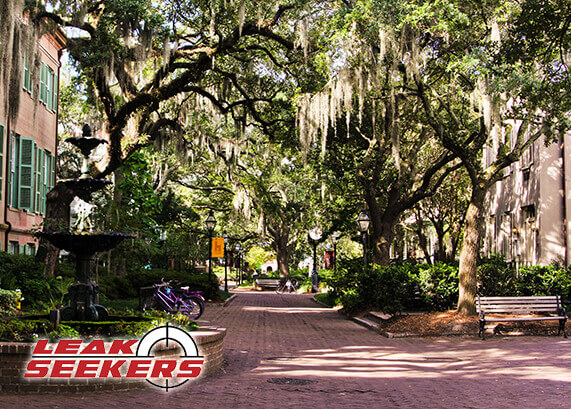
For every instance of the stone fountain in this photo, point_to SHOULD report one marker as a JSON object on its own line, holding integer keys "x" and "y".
{"x": 82, "y": 240}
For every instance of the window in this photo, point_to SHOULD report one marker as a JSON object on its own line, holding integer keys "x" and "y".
{"x": 32, "y": 175}
{"x": 13, "y": 247}
{"x": 527, "y": 158}
{"x": 31, "y": 249}
{"x": 48, "y": 87}
{"x": 27, "y": 75}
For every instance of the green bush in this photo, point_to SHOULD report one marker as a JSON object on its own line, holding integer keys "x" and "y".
{"x": 438, "y": 285}
{"x": 8, "y": 301}
{"x": 496, "y": 277}
{"x": 388, "y": 288}
{"x": 24, "y": 273}
{"x": 544, "y": 280}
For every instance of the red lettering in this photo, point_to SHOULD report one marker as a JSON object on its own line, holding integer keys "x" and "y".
{"x": 190, "y": 368}
{"x": 40, "y": 347}
{"x": 87, "y": 369}
{"x": 122, "y": 346}
{"x": 36, "y": 370}
{"x": 163, "y": 369}
{"x": 63, "y": 368}
{"x": 68, "y": 346}
{"x": 138, "y": 365}
{"x": 94, "y": 347}
{"x": 109, "y": 367}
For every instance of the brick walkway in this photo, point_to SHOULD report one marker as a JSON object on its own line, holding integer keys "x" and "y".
{"x": 286, "y": 351}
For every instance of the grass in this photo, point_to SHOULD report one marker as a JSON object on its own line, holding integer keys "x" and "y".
{"x": 121, "y": 305}
{"x": 325, "y": 298}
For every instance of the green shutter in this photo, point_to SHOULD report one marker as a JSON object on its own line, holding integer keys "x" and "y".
{"x": 49, "y": 87}
{"x": 45, "y": 180}
{"x": 12, "y": 188}
{"x": 39, "y": 180}
{"x": 55, "y": 91}
{"x": 43, "y": 83}
{"x": 26, "y": 73}
{"x": 52, "y": 174}
{"x": 26, "y": 171}
{"x": 1, "y": 159}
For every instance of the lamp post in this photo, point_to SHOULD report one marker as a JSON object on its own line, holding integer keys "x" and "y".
{"x": 210, "y": 225}
{"x": 225, "y": 236}
{"x": 314, "y": 236}
{"x": 363, "y": 222}
{"x": 335, "y": 240}
{"x": 239, "y": 272}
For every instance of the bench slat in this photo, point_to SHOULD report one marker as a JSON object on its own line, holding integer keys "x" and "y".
{"x": 525, "y": 318}
{"x": 521, "y": 306}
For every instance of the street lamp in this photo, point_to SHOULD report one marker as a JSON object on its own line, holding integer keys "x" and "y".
{"x": 363, "y": 222}
{"x": 314, "y": 236}
{"x": 225, "y": 236}
{"x": 210, "y": 225}
{"x": 335, "y": 240}
{"x": 239, "y": 273}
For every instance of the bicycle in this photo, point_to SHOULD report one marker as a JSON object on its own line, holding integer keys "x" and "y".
{"x": 290, "y": 285}
{"x": 166, "y": 298}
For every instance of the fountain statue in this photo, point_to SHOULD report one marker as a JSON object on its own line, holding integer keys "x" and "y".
{"x": 82, "y": 241}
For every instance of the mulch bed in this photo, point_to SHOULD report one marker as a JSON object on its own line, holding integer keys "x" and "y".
{"x": 451, "y": 323}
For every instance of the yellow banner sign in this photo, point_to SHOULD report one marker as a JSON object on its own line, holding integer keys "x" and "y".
{"x": 217, "y": 247}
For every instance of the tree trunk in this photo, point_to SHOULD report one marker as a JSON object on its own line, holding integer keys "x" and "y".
{"x": 441, "y": 250}
{"x": 282, "y": 253}
{"x": 58, "y": 201}
{"x": 119, "y": 264}
{"x": 381, "y": 239}
{"x": 422, "y": 239}
{"x": 469, "y": 252}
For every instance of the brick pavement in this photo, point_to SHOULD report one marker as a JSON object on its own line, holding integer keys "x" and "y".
{"x": 286, "y": 351}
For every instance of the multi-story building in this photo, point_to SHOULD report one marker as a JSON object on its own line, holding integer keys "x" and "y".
{"x": 28, "y": 147}
{"x": 528, "y": 211}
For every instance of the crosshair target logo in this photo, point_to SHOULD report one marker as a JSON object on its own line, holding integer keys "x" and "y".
{"x": 188, "y": 364}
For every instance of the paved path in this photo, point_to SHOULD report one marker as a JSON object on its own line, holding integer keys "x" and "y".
{"x": 285, "y": 351}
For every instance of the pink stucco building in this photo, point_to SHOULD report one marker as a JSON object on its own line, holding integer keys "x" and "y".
{"x": 28, "y": 148}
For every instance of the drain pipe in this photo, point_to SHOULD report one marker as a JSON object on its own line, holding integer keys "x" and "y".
{"x": 562, "y": 148}
{"x": 6, "y": 180}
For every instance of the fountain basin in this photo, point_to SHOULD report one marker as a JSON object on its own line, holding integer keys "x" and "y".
{"x": 84, "y": 244}
{"x": 86, "y": 144}
{"x": 84, "y": 188}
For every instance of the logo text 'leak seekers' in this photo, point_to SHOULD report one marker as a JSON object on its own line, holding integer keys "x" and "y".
{"x": 76, "y": 359}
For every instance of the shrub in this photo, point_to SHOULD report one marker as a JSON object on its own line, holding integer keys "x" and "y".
{"x": 544, "y": 280}
{"x": 438, "y": 285}
{"x": 8, "y": 301}
{"x": 388, "y": 288}
{"x": 496, "y": 277}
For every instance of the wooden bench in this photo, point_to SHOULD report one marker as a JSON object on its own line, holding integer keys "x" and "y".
{"x": 268, "y": 282}
{"x": 550, "y": 307}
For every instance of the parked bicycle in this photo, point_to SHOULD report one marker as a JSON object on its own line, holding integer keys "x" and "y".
{"x": 290, "y": 285}
{"x": 166, "y": 298}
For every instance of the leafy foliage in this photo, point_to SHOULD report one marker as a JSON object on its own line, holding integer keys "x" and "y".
{"x": 8, "y": 301}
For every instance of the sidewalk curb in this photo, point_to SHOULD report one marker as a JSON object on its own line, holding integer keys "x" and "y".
{"x": 365, "y": 323}
{"x": 320, "y": 303}
{"x": 229, "y": 300}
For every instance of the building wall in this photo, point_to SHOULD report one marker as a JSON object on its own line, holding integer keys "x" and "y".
{"x": 36, "y": 121}
{"x": 528, "y": 209}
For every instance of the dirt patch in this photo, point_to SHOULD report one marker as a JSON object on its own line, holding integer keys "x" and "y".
{"x": 451, "y": 323}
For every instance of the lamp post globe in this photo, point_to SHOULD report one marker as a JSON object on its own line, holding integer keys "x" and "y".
{"x": 314, "y": 236}
{"x": 335, "y": 240}
{"x": 225, "y": 237}
{"x": 210, "y": 223}
{"x": 239, "y": 253}
{"x": 363, "y": 222}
